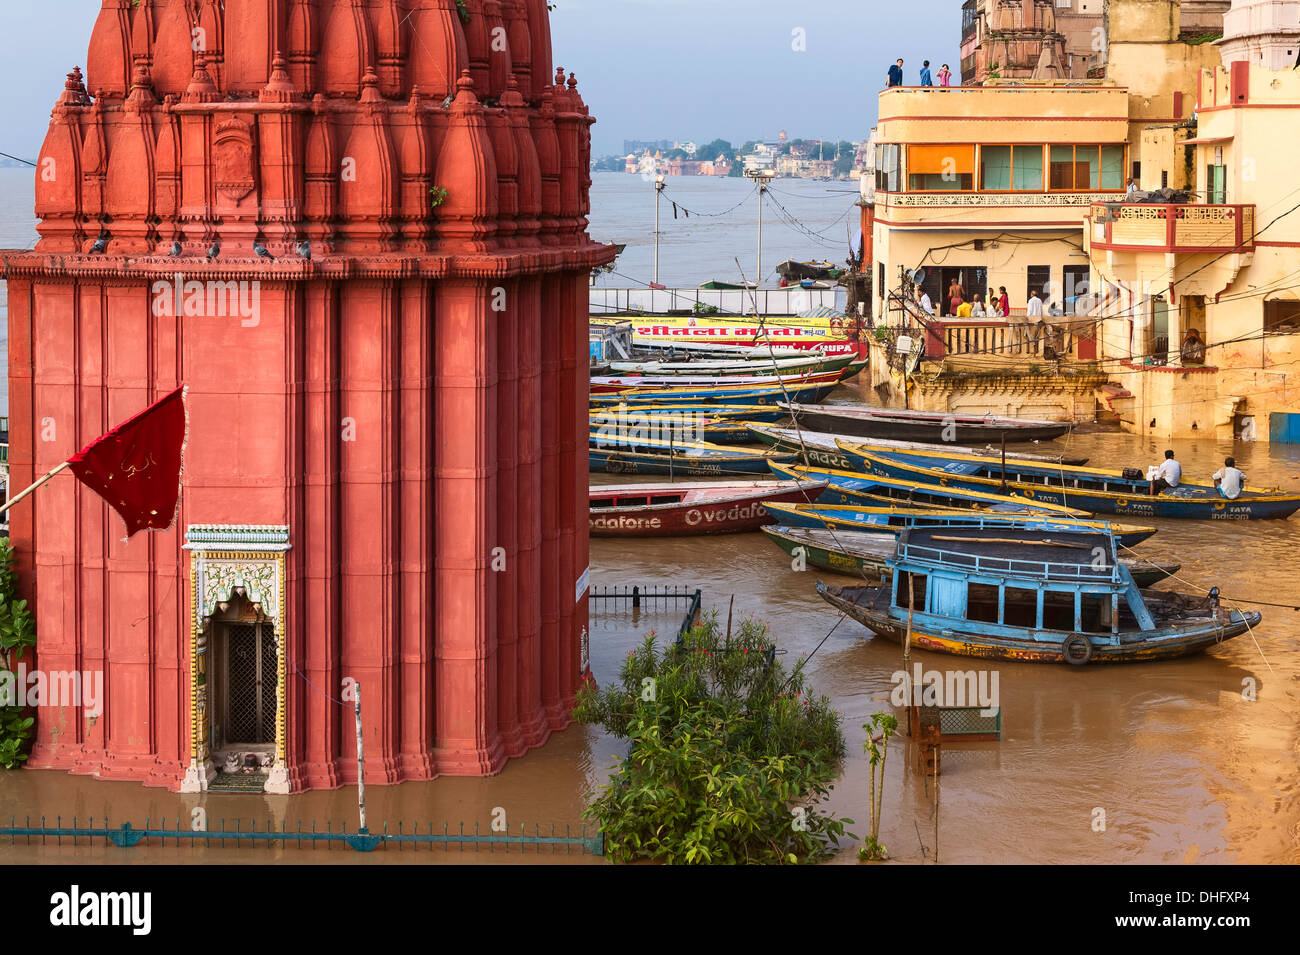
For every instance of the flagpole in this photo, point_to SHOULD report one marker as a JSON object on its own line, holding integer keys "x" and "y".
{"x": 14, "y": 500}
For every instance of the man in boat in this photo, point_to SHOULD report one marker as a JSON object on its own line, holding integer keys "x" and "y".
{"x": 1229, "y": 480}
{"x": 1168, "y": 474}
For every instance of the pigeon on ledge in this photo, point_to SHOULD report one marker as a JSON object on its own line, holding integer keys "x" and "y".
{"x": 214, "y": 251}
{"x": 100, "y": 245}
{"x": 176, "y": 249}
{"x": 304, "y": 249}
{"x": 261, "y": 251}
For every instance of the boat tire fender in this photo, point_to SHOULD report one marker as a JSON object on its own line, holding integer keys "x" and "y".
{"x": 1076, "y": 649}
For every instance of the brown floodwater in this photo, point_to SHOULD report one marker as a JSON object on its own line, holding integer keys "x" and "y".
{"x": 1184, "y": 768}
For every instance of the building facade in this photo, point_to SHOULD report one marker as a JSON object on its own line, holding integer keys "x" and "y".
{"x": 990, "y": 186}
{"x": 1222, "y": 267}
{"x": 357, "y": 233}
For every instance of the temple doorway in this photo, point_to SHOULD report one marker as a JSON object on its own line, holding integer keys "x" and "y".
{"x": 242, "y": 694}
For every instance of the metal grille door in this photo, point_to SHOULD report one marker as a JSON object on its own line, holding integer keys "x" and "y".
{"x": 252, "y": 677}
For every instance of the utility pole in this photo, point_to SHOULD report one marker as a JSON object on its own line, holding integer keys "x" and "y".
{"x": 659, "y": 188}
{"x": 762, "y": 177}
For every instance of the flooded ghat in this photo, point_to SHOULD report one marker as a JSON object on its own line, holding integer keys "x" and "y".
{"x": 1184, "y": 767}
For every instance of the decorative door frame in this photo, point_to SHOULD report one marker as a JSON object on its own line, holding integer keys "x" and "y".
{"x": 229, "y": 561}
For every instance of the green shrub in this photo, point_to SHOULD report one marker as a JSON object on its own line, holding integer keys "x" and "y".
{"x": 727, "y": 756}
{"x": 17, "y": 633}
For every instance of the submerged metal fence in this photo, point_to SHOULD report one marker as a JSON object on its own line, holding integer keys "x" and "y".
{"x": 126, "y": 836}
{"x": 653, "y": 598}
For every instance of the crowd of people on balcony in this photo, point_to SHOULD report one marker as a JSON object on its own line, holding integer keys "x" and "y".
{"x": 1029, "y": 333}
{"x": 895, "y": 77}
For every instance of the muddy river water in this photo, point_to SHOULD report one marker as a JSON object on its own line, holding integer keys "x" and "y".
{"x": 1184, "y": 767}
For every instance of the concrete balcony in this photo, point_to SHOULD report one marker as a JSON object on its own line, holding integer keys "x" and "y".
{"x": 1054, "y": 210}
{"x": 1178, "y": 229}
{"x": 1192, "y": 249}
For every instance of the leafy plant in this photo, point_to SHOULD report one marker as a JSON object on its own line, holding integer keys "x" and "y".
{"x": 17, "y": 633}
{"x": 879, "y": 729}
{"x": 701, "y": 309}
{"x": 438, "y": 195}
{"x": 463, "y": 10}
{"x": 727, "y": 756}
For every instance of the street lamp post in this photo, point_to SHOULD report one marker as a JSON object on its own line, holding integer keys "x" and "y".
{"x": 659, "y": 188}
{"x": 762, "y": 177}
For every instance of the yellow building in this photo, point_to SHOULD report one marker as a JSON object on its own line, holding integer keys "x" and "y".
{"x": 990, "y": 186}
{"x": 1227, "y": 266}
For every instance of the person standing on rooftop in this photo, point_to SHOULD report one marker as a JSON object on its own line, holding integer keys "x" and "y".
{"x": 896, "y": 74}
{"x": 926, "y": 79}
{"x": 945, "y": 76}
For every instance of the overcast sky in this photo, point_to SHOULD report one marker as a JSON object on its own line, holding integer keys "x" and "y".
{"x": 649, "y": 69}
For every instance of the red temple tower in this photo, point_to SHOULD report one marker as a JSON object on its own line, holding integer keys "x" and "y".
{"x": 356, "y": 229}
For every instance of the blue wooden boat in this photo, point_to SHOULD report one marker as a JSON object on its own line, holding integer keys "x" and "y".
{"x": 901, "y": 518}
{"x": 625, "y": 454}
{"x": 713, "y": 424}
{"x": 1092, "y": 489}
{"x": 849, "y": 487}
{"x": 1035, "y": 597}
{"x": 821, "y": 449}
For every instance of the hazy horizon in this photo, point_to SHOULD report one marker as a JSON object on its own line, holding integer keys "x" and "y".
{"x": 687, "y": 70}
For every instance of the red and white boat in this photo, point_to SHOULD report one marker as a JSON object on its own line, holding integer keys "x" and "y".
{"x": 690, "y": 509}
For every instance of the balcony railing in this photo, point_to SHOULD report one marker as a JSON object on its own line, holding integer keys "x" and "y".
{"x": 978, "y": 199}
{"x": 1188, "y": 229}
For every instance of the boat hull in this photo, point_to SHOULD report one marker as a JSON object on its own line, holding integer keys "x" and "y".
{"x": 898, "y": 518}
{"x": 735, "y": 513}
{"x": 626, "y": 462}
{"x": 936, "y": 430}
{"x": 1164, "y": 644}
{"x": 821, "y": 450}
{"x": 863, "y": 554}
{"x": 1143, "y": 505}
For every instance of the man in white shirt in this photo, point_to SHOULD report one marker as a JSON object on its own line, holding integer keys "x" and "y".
{"x": 1033, "y": 321}
{"x": 1168, "y": 475}
{"x": 1229, "y": 480}
{"x": 924, "y": 301}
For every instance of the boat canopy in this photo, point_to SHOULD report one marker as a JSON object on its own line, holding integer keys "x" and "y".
{"x": 1061, "y": 578}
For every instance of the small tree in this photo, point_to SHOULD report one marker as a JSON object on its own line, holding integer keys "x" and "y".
{"x": 879, "y": 729}
{"x": 17, "y": 633}
{"x": 727, "y": 756}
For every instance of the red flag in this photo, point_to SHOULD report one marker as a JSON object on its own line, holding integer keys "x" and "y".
{"x": 136, "y": 467}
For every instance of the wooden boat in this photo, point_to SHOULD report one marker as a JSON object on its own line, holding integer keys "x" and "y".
{"x": 645, "y": 415}
{"x": 863, "y": 554}
{"x": 849, "y": 487}
{"x": 823, "y": 449}
{"x": 627, "y": 454}
{"x": 715, "y": 424}
{"x": 1041, "y": 598}
{"x": 617, "y": 384}
{"x": 929, "y": 426}
{"x": 898, "y": 518}
{"x": 746, "y": 352}
{"x": 1093, "y": 489}
{"x": 722, "y": 368}
{"x": 808, "y": 271}
{"x": 722, "y": 395}
{"x": 681, "y": 510}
